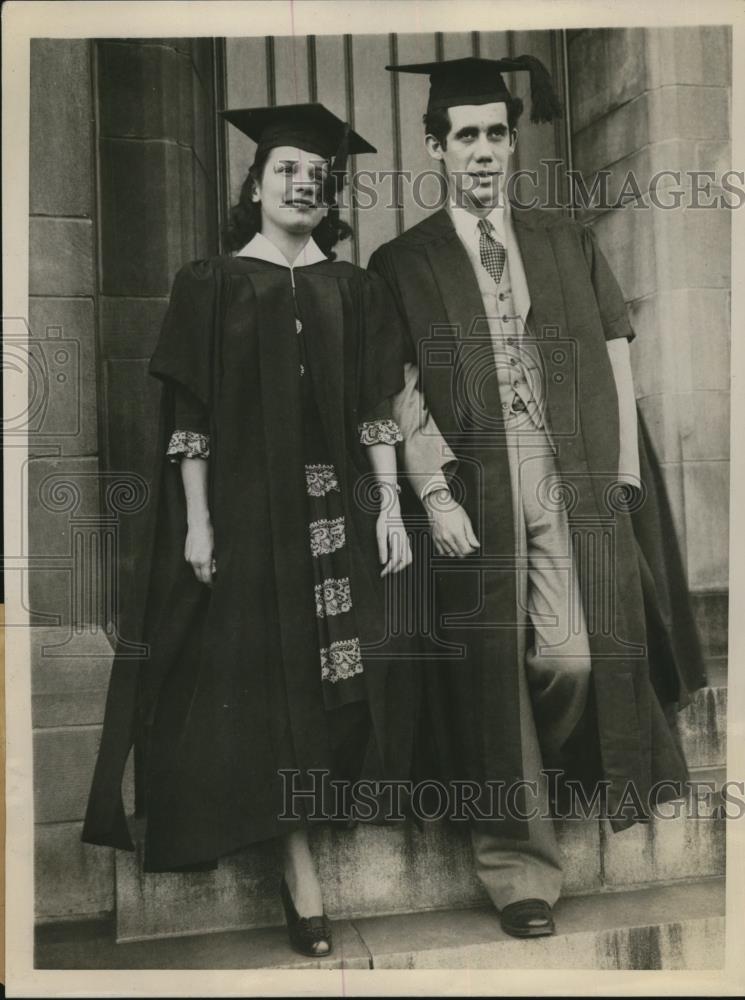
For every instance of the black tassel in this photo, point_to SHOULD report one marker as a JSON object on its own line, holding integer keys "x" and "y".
{"x": 335, "y": 181}
{"x": 544, "y": 104}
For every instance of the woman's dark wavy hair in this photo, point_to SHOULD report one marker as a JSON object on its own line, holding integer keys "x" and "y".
{"x": 244, "y": 221}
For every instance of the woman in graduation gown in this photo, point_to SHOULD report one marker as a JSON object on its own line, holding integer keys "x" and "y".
{"x": 276, "y": 522}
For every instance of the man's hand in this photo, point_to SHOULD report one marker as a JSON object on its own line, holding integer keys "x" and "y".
{"x": 451, "y": 527}
{"x": 199, "y": 549}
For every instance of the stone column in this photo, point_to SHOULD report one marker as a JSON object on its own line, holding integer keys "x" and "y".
{"x": 62, "y": 481}
{"x": 643, "y": 101}
{"x": 123, "y": 191}
{"x": 158, "y": 210}
{"x": 63, "y": 433}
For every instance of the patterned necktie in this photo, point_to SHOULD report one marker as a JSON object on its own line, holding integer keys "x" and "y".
{"x": 493, "y": 253}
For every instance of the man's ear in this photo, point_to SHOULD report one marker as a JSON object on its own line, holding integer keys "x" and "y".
{"x": 434, "y": 147}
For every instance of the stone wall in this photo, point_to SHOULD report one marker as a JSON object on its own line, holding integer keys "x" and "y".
{"x": 63, "y": 474}
{"x": 62, "y": 307}
{"x": 645, "y": 101}
{"x": 123, "y": 191}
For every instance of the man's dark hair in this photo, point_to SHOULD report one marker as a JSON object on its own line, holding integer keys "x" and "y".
{"x": 244, "y": 221}
{"x": 437, "y": 122}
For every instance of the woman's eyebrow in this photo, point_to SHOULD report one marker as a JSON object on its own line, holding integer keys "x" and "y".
{"x": 317, "y": 164}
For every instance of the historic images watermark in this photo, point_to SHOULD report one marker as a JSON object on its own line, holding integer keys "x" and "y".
{"x": 319, "y": 797}
{"x": 552, "y": 185}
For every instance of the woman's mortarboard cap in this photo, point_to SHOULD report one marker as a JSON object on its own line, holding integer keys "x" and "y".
{"x": 479, "y": 81}
{"x": 311, "y": 127}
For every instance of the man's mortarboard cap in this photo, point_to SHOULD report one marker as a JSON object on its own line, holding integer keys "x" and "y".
{"x": 479, "y": 81}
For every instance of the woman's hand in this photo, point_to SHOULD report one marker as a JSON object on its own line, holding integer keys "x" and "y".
{"x": 394, "y": 550}
{"x": 199, "y": 550}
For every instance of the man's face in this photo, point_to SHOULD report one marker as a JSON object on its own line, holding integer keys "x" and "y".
{"x": 477, "y": 153}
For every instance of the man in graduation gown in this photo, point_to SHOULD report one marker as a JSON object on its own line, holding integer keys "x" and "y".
{"x": 561, "y": 627}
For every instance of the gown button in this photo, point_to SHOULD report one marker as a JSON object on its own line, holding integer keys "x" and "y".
{"x": 298, "y": 326}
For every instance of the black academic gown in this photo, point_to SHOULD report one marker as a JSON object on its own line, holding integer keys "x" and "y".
{"x": 642, "y": 640}
{"x": 230, "y": 693}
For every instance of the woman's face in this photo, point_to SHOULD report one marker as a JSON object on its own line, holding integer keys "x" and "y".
{"x": 291, "y": 190}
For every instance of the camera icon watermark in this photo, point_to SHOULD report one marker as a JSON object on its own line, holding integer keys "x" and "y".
{"x": 51, "y": 366}
{"x": 483, "y": 370}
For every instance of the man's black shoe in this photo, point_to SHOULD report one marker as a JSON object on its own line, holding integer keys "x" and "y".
{"x": 527, "y": 918}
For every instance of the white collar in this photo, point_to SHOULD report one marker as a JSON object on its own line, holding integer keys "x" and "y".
{"x": 262, "y": 248}
{"x": 467, "y": 224}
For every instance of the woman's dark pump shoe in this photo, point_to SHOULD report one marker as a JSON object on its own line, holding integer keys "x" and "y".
{"x": 308, "y": 935}
{"x": 527, "y": 918}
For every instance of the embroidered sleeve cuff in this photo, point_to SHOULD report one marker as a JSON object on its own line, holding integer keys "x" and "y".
{"x": 379, "y": 432}
{"x": 188, "y": 444}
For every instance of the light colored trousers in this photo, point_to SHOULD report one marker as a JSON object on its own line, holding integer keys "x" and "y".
{"x": 555, "y": 681}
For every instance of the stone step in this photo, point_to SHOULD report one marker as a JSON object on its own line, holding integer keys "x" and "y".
{"x": 374, "y": 871}
{"x": 678, "y": 926}
{"x": 666, "y": 927}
